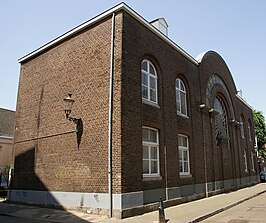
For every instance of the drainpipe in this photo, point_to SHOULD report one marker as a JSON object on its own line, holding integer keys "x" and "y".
{"x": 204, "y": 142}
{"x": 205, "y": 157}
{"x": 110, "y": 122}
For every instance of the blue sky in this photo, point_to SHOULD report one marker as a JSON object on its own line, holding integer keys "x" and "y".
{"x": 235, "y": 29}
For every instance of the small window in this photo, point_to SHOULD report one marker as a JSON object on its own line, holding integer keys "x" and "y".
{"x": 245, "y": 160}
{"x": 150, "y": 147}
{"x": 183, "y": 148}
{"x": 242, "y": 128}
{"x": 148, "y": 81}
{"x": 181, "y": 97}
{"x": 252, "y": 156}
{"x": 249, "y": 132}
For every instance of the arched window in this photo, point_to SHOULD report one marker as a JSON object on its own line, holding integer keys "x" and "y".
{"x": 249, "y": 131}
{"x": 252, "y": 156}
{"x": 242, "y": 132}
{"x": 221, "y": 121}
{"x": 148, "y": 81}
{"x": 181, "y": 97}
{"x": 245, "y": 160}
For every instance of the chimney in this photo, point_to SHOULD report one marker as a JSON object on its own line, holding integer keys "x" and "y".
{"x": 161, "y": 25}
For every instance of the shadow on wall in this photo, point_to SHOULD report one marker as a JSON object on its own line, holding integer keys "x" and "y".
{"x": 27, "y": 188}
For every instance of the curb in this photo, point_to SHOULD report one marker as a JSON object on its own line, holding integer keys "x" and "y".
{"x": 203, "y": 217}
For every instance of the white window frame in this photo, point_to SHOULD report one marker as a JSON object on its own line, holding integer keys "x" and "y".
{"x": 151, "y": 145}
{"x": 179, "y": 92}
{"x": 245, "y": 160}
{"x": 183, "y": 149}
{"x": 148, "y": 86}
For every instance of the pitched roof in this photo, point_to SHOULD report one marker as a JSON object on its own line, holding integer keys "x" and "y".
{"x": 7, "y": 122}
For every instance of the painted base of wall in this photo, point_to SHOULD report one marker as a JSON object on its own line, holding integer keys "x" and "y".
{"x": 96, "y": 203}
{"x": 127, "y": 204}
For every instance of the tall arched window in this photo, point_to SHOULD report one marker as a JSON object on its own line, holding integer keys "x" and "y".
{"x": 242, "y": 132}
{"x": 181, "y": 97}
{"x": 245, "y": 160}
{"x": 221, "y": 121}
{"x": 148, "y": 81}
{"x": 249, "y": 131}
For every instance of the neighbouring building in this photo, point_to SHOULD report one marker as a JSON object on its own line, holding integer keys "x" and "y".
{"x": 7, "y": 125}
{"x": 261, "y": 161}
{"x": 155, "y": 122}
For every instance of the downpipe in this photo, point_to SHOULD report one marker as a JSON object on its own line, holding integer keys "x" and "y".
{"x": 110, "y": 123}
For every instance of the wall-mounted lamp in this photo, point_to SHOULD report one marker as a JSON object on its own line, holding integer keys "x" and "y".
{"x": 68, "y": 106}
{"x": 214, "y": 112}
{"x": 78, "y": 121}
{"x": 204, "y": 108}
{"x": 207, "y": 109}
{"x": 235, "y": 123}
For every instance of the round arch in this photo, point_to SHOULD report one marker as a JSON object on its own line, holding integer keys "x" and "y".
{"x": 213, "y": 81}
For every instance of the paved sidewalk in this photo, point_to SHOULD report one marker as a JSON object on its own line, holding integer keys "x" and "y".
{"x": 189, "y": 212}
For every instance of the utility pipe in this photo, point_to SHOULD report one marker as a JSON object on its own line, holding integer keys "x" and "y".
{"x": 110, "y": 122}
{"x": 202, "y": 106}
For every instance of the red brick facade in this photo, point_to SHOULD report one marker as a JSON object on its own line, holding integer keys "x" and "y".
{"x": 47, "y": 157}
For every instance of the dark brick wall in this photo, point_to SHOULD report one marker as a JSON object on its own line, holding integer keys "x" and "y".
{"x": 245, "y": 143}
{"x": 138, "y": 44}
{"x": 81, "y": 65}
{"x": 222, "y": 163}
{"x": 226, "y": 163}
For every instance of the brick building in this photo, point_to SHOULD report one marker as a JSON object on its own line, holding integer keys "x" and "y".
{"x": 7, "y": 125}
{"x": 156, "y": 121}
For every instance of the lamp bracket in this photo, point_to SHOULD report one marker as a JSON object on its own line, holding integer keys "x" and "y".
{"x": 72, "y": 119}
{"x": 79, "y": 127}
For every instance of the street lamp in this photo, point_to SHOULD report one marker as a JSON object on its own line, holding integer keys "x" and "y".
{"x": 69, "y": 101}
{"x": 68, "y": 104}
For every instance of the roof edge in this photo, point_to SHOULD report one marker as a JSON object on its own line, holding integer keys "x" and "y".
{"x": 98, "y": 18}
{"x": 7, "y": 109}
{"x": 244, "y": 102}
{"x": 71, "y": 32}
